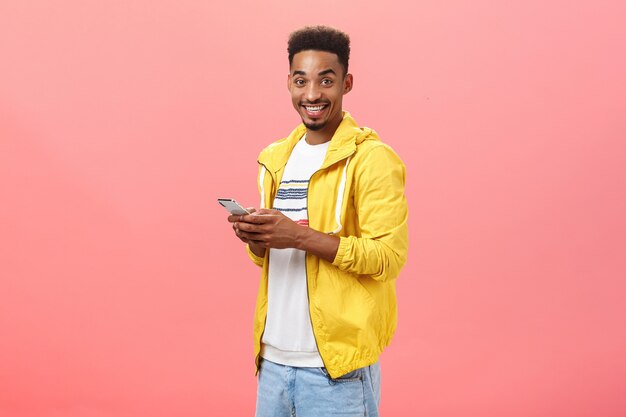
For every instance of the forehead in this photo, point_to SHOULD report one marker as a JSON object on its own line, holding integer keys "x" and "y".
{"x": 312, "y": 61}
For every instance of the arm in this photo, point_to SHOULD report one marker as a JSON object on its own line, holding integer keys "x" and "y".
{"x": 380, "y": 250}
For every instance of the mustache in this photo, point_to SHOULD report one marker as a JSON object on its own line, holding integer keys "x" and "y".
{"x": 313, "y": 103}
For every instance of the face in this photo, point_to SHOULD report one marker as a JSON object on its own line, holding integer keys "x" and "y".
{"x": 317, "y": 86}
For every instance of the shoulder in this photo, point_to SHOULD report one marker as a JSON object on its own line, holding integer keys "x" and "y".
{"x": 273, "y": 147}
{"x": 376, "y": 152}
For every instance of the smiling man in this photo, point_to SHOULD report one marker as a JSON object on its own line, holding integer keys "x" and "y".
{"x": 331, "y": 238}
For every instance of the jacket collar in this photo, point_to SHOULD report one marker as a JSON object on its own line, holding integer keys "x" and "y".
{"x": 342, "y": 144}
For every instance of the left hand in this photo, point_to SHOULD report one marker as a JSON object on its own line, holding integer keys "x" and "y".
{"x": 268, "y": 229}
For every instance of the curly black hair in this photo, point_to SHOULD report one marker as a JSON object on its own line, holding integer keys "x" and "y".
{"x": 320, "y": 38}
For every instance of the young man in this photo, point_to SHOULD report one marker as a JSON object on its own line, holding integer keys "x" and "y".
{"x": 330, "y": 243}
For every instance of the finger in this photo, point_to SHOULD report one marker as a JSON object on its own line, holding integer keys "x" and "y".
{"x": 251, "y": 227}
{"x": 267, "y": 212}
{"x": 256, "y": 218}
{"x": 248, "y": 236}
{"x": 240, "y": 236}
{"x": 240, "y": 218}
{"x": 259, "y": 243}
{"x": 241, "y": 233}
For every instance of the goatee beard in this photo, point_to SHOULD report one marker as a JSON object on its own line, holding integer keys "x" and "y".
{"x": 314, "y": 127}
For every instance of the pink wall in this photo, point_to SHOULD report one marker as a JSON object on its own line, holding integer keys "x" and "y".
{"x": 124, "y": 293}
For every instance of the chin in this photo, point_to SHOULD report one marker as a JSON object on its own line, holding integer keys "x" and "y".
{"x": 314, "y": 127}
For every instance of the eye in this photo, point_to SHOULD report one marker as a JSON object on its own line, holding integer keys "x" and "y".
{"x": 299, "y": 81}
{"x": 327, "y": 81}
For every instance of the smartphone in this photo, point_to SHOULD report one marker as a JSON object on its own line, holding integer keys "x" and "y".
{"x": 232, "y": 206}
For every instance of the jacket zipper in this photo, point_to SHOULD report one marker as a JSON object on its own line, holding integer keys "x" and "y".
{"x": 306, "y": 271}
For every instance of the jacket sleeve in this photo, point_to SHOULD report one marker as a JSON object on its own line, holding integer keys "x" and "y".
{"x": 258, "y": 260}
{"x": 380, "y": 250}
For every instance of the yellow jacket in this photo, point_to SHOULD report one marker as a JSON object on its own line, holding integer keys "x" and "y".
{"x": 358, "y": 195}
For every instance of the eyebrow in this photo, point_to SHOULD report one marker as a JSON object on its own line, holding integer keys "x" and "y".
{"x": 326, "y": 71}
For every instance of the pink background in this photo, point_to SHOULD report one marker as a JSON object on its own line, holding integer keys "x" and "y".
{"x": 124, "y": 293}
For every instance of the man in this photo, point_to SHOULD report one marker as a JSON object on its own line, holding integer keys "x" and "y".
{"x": 330, "y": 247}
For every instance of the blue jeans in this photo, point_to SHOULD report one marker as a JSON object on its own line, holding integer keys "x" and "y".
{"x": 287, "y": 391}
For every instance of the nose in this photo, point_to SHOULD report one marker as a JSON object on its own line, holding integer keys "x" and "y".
{"x": 313, "y": 92}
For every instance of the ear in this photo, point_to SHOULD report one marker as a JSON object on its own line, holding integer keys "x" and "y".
{"x": 348, "y": 82}
{"x": 289, "y": 82}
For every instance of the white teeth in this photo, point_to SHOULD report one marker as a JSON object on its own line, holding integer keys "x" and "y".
{"x": 316, "y": 108}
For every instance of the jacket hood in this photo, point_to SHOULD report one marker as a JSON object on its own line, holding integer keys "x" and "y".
{"x": 343, "y": 144}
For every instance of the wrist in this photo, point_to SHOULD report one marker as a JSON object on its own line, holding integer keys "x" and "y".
{"x": 302, "y": 238}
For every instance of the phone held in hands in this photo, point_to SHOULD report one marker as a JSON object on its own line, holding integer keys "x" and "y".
{"x": 233, "y": 206}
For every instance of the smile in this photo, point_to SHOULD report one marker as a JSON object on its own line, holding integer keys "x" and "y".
{"x": 314, "y": 110}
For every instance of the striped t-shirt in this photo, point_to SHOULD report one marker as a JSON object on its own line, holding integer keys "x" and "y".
{"x": 288, "y": 338}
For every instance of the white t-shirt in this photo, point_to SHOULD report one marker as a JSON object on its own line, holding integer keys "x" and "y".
{"x": 288, "y": 338}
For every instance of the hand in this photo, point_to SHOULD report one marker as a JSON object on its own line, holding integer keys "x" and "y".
{"x": 235, "y": 218}
{"x": 267, "y": 229}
